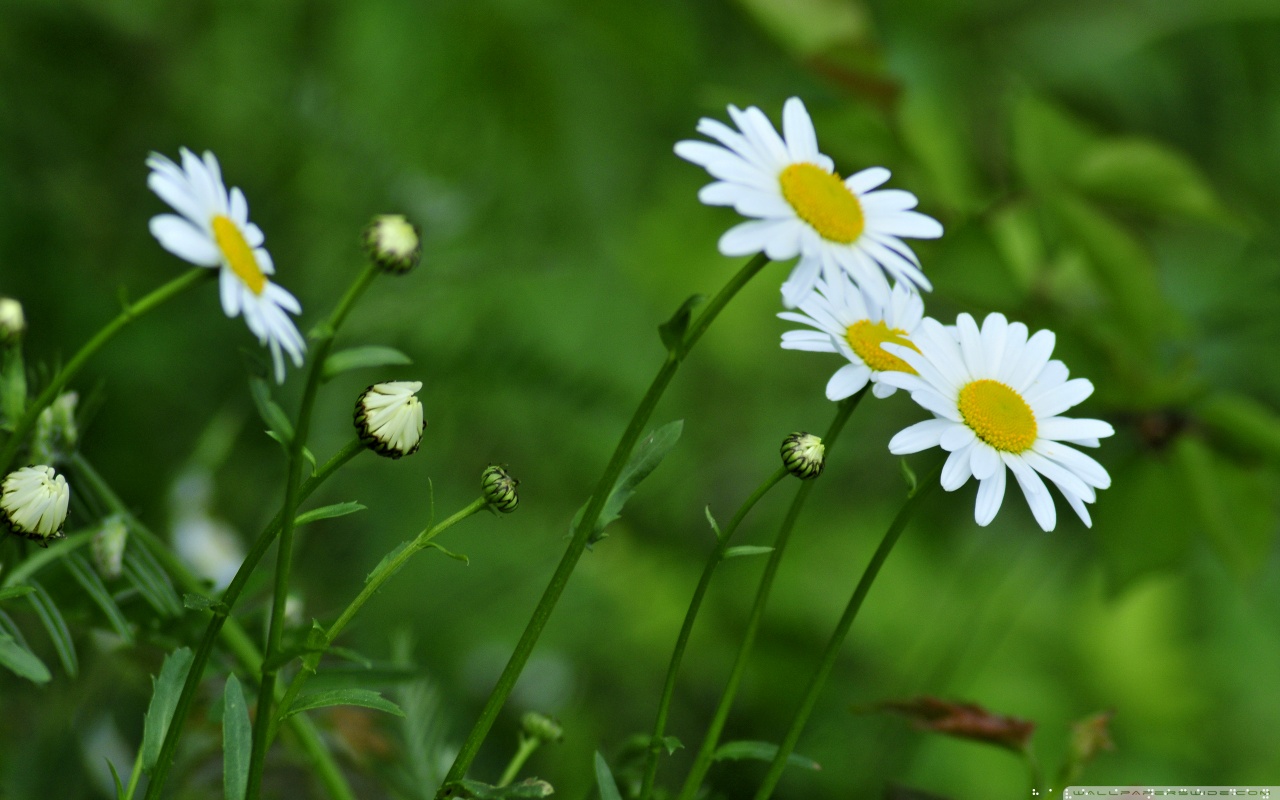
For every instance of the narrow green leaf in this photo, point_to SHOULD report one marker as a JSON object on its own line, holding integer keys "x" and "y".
{"x": 646, "y": 457}
{"x": 362, "y": 358}
{"x": 365, "y": 698}
{"x": 115, "y": 776}
{"x": 760, "y": 751}
{"x": 21, "y": 661}
{"x": 604, "y": 780}
{"x": 53, "y": 622}
{"x": 1149, "y": 176}
{"x": 673, "y": 330}
{"x": 87, "y": 577}
{"x": 237, "y": 740}
{"x": 198, "y": 602}
{"x": 467, "y": 789}
{"x": 450, "y": 553}
{"x": 909, "y": 476}
{"x": 270, "y": 411}
{"x": 15, "y": 591}
{"x": 164, "y": 698}
{"x": 746, "y": 550}
{"x": 672, "y": 744}
{"x": 328, "y": 512}
{"x": 145, "y": 575}
{"x": 396, "y": 551}
{"x": 715, "y": 527}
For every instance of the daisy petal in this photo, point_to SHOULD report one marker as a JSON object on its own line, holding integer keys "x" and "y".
{"x": 1037, "y": 494}
{"x": 848, "y": 379}
{"x": 990, "y": 496}
{"x": 1054, "y": 402}
{"x": 956, "y": 472}
{"x": 867, "y": 179}
{"x": 920, "y": 436}
{"x": 180, "y": 237}
{"x": 1069, "y": 429}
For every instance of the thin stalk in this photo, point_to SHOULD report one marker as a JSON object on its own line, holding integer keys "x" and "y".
{"x": 288, "y": 519}
{"x": 381, "y": 575}
{"x": 128, "y": 314}
{"x": 134, "y": 776}
{"x": 55, "y": 552}
{"x": 1034, "y": 773}
{"x": 677, "y": 655}
{"x": 235, "y": 638}
{"x": 634, "y": 429}
{"x": 528, "y": 745}
{"x": 832, "y": 652}
{"x": 702, "y": 762}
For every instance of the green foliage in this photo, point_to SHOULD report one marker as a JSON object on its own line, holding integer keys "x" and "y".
{"x": 604, "y": 779}
{"x": 236, "y": 740}
{"x": 164, "y": 698}
{"x": 366, "y": 357}
{"x": 364, "y": 698}
{"x": 760, "y": 751}
{"x": 646, "y": 457}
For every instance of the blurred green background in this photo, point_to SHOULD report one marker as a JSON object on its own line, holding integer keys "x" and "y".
{"x": 1106, "y": 169}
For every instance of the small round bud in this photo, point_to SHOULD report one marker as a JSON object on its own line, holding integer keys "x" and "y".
{"x": 12, "y": 321}
{"x": 499, "y": 489}
{"x": 803, "y": 455}
{"x": 108, "y": 547}
{"x": 541, "y": 727}
{"x": 33, "y": 503}
{"x": 394, "y": 243}
{"x": 388, "y": 417}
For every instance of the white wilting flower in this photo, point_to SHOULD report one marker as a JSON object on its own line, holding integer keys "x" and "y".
{"x": 388, "y": 417}
{"x": 801, "y": 207}
{"x": 212, "y": 229}
{"x": 33, "y": 503}
{"x": 855, "y": 324}
{"x": 997, "y": 398}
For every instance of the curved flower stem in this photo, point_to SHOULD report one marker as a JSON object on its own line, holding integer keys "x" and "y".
{"x": 288, "y": 517}
{"x": 527, "y": 746}
{"x": 542, "y": 612}
{"x": 235, "y": 638}
{"x": 677, "y": 654}
{"x": 128, "y": 314}
{"x": 383, "y": 573}
{"x": 702, "y": 762}
{"x": 832, "y": 651}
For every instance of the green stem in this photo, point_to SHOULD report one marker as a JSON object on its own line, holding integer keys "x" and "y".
{"x": 528, "y": 745}
{"x": 702, "y": 762}
{"x": 542, "y": 612}
{"x": 134, "y": 776}
{"x": 288, "y": 520}
{"x": 234, "y": 636}
{"x": 677, "y": 655}
{"x": 832, "y": 652}
{"x": 128, "y": 314}
{"x": 1034, "y": 773}
{"x": 381, "y": 575}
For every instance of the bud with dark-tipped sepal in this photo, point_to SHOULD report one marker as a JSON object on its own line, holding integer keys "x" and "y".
{"x": 804, "y": 455}
{"x": 394, "y": 243}
{"x": 499, "y": 489}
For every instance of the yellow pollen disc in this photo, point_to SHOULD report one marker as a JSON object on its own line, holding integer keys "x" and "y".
{"x": 865, "y": 337}
{"x": 999, "y": 415}
{"x": 238, "y": 253}
{"x": 821, "y": 199}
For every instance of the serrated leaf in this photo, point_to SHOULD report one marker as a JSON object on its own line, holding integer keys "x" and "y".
{"x": 53, "y": 622}
{"x": 145, "y": 575}
{"x": 746, "y": 550}
{"x": 646, "y": 457}
{"x": 164, "y": 698}
{"x": 604, "y": 780}
{"x": 237, "y": 740}
{"x": 364, "y": 698}
{"x": 673, "y": 330}
{"x": 271, "y": 413}
{"x": 21, "y": 661}
{"x": 450, "y": 553}
{"x": 362, "y": 358}
{"x": 760, "y": 751}
{"x": 15, "y": 591}
{"x": 87, "y": 577}
{"x": 328, "y": 512}
{"x": 198, "y": 602}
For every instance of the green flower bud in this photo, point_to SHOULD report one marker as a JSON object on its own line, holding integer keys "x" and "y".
{"x": 108, "y": 547}
{"x": 541, "y": 727}
{"x": 56, "y": 434}
{"x": 388, "y": 417}
{"x": 499, "y": 489}
{"x": 33, "y": 503}
{"x": 13, "y": 324}
{"x": 394, "y": 243}
{"x": 803, "y": 455}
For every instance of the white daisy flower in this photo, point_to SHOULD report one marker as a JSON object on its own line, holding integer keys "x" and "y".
{"x": 802, "y": 208}
{"x": 996, "y": 398}
{"x": 388, "y": 418}
{"x": 33, "y": 503}
{"x": 212, "y": 229}
{"x": 855, "y": 324}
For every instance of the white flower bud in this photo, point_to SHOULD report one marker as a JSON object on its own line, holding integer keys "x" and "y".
{"x": 33, "y": 503}
{"x": 393, "y": 242}
{"x": 389, "y": 419}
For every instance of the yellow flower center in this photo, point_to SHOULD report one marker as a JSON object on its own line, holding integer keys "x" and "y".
{"x": 999, "y": 415}
{"x": 238, "y": 253}
{"x": 821, "y": 199}
{"x": 865, "y": 337}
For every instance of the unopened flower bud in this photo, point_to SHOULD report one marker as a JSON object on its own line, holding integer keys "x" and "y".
{"x": 56, "y": 434}
{"x": 499, "y": 489}
{"x": 12, "y": 321}
{"x": 108, "y": 547}
{"x": 33, "y": 503}
{"x": 803, "y": 455}
{"x": 394, "y": 243}
{"x": 389, "y": 419}
{"x": 541, "y": 727}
